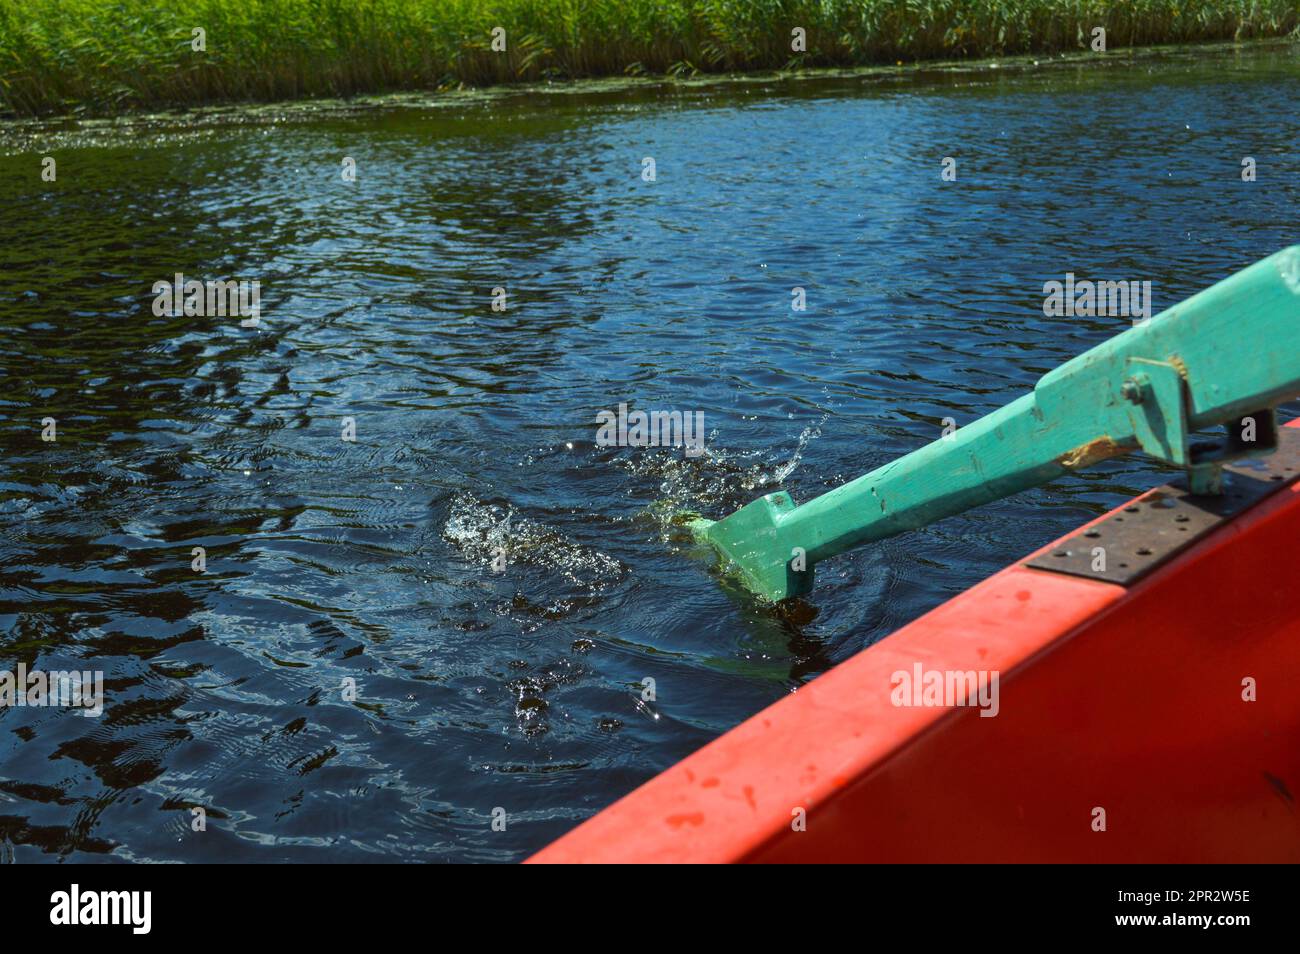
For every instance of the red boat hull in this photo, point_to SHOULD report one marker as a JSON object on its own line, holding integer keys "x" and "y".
{"x": 1132, "y": 701}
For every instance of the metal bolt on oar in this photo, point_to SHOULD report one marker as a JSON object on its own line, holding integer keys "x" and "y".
{"x": 1224, "y": 355}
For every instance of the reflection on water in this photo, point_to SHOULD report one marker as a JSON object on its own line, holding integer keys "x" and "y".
{"x": 496, "y": 585}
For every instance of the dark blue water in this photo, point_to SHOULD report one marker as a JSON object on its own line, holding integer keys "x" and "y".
{"x": 371, "y": 560}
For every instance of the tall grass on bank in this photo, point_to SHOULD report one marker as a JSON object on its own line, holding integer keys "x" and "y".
{"x": 110, "y": 55}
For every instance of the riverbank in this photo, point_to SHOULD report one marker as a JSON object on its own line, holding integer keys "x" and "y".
{"x": 96, "y": 58}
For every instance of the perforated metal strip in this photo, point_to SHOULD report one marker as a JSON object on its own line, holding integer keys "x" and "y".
{"x": 1152, "y": 531}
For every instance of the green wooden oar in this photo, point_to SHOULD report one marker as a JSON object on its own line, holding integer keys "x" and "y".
{"x": 1227, "y": 353}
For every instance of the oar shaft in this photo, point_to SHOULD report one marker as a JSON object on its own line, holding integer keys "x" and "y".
{"x": 994, "y": 457}
{"x": 1226, "y": 352}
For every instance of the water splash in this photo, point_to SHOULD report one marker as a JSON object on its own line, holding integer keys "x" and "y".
{"x": 713, "y": 484}
{"x": 809, "y": 434}
{"x": 485, "y": 533}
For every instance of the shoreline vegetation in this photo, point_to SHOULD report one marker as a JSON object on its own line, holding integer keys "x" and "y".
{"x": 102, "y": 57}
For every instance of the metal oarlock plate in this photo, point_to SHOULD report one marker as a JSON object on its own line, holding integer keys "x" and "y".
{"x": 1153, "y": 530}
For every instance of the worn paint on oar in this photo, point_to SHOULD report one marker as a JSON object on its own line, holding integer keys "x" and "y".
{"x": 1213, "y": 359}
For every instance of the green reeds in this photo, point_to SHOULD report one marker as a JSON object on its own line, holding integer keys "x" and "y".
{"x": 105, "y": 56}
